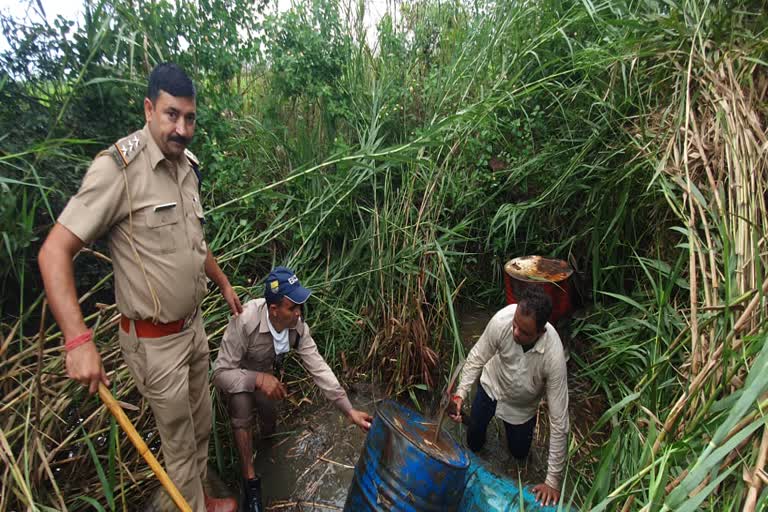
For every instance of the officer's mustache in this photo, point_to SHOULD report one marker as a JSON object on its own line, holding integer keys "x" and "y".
{"x": 179, "y": 139}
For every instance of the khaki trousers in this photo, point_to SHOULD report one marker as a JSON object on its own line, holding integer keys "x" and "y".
{"x": 171, "y": 373}
{"x": 242, "y": 406}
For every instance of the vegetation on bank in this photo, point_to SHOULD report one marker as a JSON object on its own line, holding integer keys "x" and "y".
{"x": 396, "y": 176}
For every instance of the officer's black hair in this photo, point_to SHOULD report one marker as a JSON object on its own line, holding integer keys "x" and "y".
{"x": 534, "y": 301}
{"x": 170, "y": 78}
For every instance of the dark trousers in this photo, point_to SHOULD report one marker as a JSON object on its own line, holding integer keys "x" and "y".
{"x": 519, "y": 437}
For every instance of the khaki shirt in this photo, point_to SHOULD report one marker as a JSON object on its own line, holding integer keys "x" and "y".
{"x": 517, "y": 380}
{"x": 247, "y": 347}
{"x": 160, "y": 212}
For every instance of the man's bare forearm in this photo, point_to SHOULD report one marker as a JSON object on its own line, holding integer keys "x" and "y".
{"x": 57, "y": 270}
{"x": 214, "y": 272}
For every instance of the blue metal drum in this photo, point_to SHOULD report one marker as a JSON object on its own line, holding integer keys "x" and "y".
{"x": 402, "y": 469}
{"x": 486, "y": 491}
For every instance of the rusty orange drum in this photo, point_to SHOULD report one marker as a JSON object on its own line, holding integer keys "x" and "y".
{"x": 551, "y": 275}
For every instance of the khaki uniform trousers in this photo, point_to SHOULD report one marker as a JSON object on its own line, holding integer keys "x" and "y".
{"x": 242, "y": 407}
{"x": 171, "y": 372}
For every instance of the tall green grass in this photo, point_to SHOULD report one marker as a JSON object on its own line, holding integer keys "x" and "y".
{"x": 626, "y": 137}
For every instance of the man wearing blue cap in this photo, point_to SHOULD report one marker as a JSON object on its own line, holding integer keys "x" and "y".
{"x": 252, "y": 350}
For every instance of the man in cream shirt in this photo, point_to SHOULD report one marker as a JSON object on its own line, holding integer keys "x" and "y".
{"x": 519, "y": 357}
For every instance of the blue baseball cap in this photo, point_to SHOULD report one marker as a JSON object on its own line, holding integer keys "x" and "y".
{"x": 282, "y": 282}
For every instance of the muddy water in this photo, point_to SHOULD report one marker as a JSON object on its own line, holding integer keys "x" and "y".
{"x": 311, "y": 466}
{"x": 472, "y": 323}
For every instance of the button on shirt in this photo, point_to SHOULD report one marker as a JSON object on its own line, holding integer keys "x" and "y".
{"x": 163, "y": 218}
{"x": 517, "y": 380}
{"x": 247, "y": 347}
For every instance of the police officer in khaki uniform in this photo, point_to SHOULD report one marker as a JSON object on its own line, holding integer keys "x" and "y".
{"x": 143, "y": 195}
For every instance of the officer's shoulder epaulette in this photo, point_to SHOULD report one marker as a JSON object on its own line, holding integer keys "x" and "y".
{"x": 126, "y": 149}
{"x": 195, "y": 163}
{"x": 191, "y": 157}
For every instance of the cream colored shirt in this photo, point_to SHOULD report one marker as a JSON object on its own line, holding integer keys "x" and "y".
{"x": 165, "y": 224}
{"x": 247, "y": 347}
{"x": 517, "y": 380}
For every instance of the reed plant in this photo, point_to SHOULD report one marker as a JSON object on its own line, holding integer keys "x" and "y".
{"x": 626, "y": 137}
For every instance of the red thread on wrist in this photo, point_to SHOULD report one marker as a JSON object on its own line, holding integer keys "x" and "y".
{"x": 79, "y": 340}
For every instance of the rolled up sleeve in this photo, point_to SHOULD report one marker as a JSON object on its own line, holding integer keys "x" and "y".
{"x": 321, "y": 373}
{"x": 99, "y": 204}
{"x": 557, "y": 400}
{"x": 228, "y": 376}
{"x": 484, "y": 350}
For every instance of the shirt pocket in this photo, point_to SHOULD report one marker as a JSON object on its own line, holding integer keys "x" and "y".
{"x": 162, "y": 229}
{"x": 198, "y": 209}
{"x": 537, "y": 385}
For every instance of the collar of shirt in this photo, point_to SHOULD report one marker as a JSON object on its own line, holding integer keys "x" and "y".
{"x": 254, "y": 316}
{"x": 539, "y": 346}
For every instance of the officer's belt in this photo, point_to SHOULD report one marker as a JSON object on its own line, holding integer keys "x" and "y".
{"x": 147, "y": 329}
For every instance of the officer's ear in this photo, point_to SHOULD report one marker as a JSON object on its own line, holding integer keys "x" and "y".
{"x": 149, "y": 108}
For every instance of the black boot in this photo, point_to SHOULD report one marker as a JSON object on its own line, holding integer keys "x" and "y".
{"x": 251, "y": 496}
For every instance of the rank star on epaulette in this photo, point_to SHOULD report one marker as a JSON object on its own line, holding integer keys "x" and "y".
{"x": 132, "y": 144}
{"x": 126, "y": 149}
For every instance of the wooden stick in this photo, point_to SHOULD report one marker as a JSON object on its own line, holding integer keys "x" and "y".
{"x": 315, "y": 463}
{"x": 293, "y": 504}
{"x": 142, "y": 448}
{"x": 329, "y": 461}
{"x": 9, "y": 338}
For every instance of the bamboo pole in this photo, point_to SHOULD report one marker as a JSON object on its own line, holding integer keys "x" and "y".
{"x": 142, "y": 448}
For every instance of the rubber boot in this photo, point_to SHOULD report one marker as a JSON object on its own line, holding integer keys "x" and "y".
{"x": 251, "y": 496}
